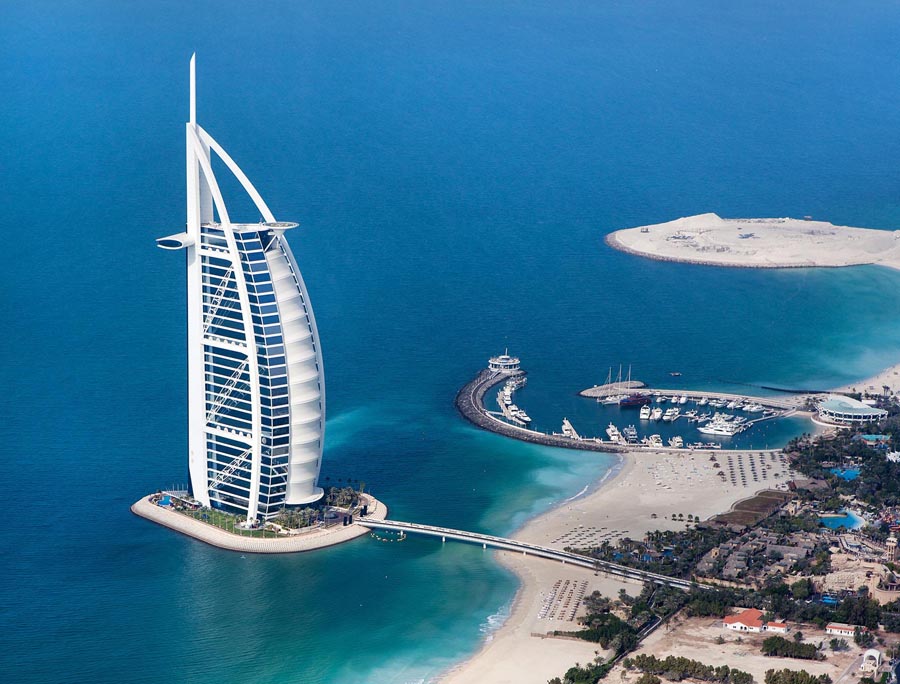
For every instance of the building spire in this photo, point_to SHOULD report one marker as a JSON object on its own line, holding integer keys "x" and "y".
{"x": 194, "y": 88}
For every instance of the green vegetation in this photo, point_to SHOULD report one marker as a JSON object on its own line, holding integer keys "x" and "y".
{"x": 587, "y": 674}
{"x": 227, "y": 521}
{"x": 838, "y": 645}
{"x": 795, "y": 677}
{"x": 779, "y": 646}
{"x": 669, "y": 553}
{"x": 676, "y": 668}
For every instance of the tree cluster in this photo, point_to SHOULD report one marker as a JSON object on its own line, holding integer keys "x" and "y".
{"x": 676, "y": 668}
{"x": 785, "y": 648}
{"x": 795, "y": 677}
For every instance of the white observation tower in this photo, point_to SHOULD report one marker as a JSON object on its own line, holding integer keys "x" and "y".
{"x": 256, "y": 390}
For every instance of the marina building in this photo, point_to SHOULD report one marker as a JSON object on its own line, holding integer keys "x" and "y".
{"x": 504, "y": 363}
{"x": 256, "y": 390}
{"x": 841, "y": 410}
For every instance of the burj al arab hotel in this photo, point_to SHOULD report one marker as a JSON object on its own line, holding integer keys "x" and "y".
{"x": 256, "y": 390}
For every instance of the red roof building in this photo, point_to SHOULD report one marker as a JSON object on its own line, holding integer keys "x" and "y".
{"x": 751, "y": 620}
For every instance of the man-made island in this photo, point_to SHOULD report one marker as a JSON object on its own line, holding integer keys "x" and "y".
{"x": 759, "y": 243}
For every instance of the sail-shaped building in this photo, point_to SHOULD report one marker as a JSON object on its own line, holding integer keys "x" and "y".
{"x": 256, "y": 389}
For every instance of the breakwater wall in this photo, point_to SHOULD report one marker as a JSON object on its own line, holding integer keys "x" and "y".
{"x": 470, "y": 403}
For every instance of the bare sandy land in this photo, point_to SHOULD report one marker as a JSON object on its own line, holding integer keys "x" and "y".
{"x": 889, "y": 377}
{"x": 760, "y": 243}
{"x": 695, "y": 638}
{"x": 648, "y": 484}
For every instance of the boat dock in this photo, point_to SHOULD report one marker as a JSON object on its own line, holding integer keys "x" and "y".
{"x": 470, "y": 403}
{"x": 792, "y": 402}
{"x": 505, "y": 369}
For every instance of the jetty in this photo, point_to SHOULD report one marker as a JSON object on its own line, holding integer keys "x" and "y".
{"x": 507, "y": 369}
{"x": 470, "y": 404}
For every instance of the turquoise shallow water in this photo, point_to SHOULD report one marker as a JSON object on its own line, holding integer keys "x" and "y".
{"x": 455, "y": 167}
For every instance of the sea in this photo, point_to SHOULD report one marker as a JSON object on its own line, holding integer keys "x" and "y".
{"x": 454, "y": 167}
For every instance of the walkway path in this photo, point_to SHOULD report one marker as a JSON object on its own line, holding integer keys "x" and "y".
{"x": 527, "y": 549}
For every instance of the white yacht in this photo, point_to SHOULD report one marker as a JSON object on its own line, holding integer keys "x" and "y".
{"x": 655, "y": 441}
{"x": 671, "y": 414}
{"x": 657, "y": 413}
{"x": 676, "y": 442}
{"x": 613, "y": 432}
{"x": 630, "y": 434}
{"x": 683, "y": 399}
{"x": 645, "y": 412}
{"x": 703, "y": 401}
{"x": 720, "y": 426}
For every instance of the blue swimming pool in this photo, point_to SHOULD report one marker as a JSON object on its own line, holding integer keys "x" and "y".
{"x": 846, "y": 473}
{"x": 846, "y": 519}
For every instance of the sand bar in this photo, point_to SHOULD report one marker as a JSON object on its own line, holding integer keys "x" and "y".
{"x": 759, "y": 243}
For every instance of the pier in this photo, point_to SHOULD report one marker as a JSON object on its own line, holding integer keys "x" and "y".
{"x": 470, "y": 403}
{"x": 488, "y": 540}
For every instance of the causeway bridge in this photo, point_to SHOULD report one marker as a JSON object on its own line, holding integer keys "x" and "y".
{"x": 527, "y": 549}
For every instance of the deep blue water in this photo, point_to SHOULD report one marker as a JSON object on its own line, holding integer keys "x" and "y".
{"x": 455, "y": 167}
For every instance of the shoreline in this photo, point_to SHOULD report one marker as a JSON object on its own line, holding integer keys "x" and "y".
{"x": 215, "y": 536}
{"x": 512, "y": 652}
{"x": 637, "y": 494}
{"x": 709, "y": 240}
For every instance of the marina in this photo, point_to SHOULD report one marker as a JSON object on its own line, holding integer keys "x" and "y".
{"x": 669, "y": 419}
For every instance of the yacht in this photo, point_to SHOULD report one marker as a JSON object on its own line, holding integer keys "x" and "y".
{"x": 703, "y": 401}
{"x": 720, "y": 427}
{"x": 676, "y": 442}
{"x": 683, "y": 399}
{"x": 671, "y": 415}
{"x": 655, "y": 441}
{"x": 657, "y": 413}
{"x": 630, "y": 434}
{"x": 661, "y": 399}
{"x": 613, "y": 432}
{"x": 645, "y": 412}
{"x": 568, "y": 430}
{"x": 731, "y": 404}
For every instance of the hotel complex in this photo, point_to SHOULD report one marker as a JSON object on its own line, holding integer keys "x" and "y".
{"x": 840, "y": 410}
{"x": 256, "y": 390}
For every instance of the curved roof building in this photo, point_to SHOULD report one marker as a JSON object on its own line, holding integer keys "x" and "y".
{"x": 256, "y": 390}
{"x": 843, "y": 410}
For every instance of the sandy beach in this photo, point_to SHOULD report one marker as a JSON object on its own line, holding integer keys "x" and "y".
{"x": 642, "y": 496}
{"x": 759, "y": 243}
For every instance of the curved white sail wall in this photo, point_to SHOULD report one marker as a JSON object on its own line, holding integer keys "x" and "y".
{"x": 256, "y": 390}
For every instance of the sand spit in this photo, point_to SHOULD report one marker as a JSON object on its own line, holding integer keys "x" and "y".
{"x": 759, "y": 243}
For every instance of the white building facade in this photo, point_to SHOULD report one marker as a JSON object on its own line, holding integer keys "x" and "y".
{"x": 256, "y": 388}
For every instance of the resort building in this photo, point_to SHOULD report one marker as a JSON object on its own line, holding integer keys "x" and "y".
{"x": 841, "y": 629}
{"x": 256, "y": 390}
{"x": 504, "y": 363}
{"x": 840, "y": 410}
{"x": 750, "y": 620}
